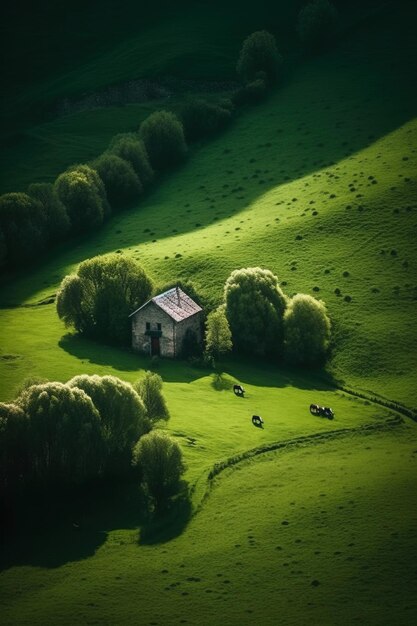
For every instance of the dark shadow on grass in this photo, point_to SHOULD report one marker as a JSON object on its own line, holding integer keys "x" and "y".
{"x": 50, "y": 531}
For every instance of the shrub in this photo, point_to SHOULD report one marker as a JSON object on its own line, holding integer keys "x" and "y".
{"x": 163, "y": 135}
{"x": 218, "y": 334}
{"x": 122, "y": 413}
{"x": 159, "y": 459}
{"x": 57, "y": 223}
{"x": 201, "y": 119}
{"x": 98, "y": 299}
{"x": 132, "y": 149}
{"x": 121, "y": 182}
{"x": 316, "y": 24}
{"x": 23, "y": 225}
{"x": 82, "y": 192}
{"x": 64, "y": 434}
{"x": 252, "y": 93}
{"x": 259, "y": 53}
{"x": 306, "y": 330}
{"x": 255, "y": 307}
{"x": 150, "y": 390}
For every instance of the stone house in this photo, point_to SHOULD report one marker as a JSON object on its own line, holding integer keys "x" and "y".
{"x": 159, "y": 325}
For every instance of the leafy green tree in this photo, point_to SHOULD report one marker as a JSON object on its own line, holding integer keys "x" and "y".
{"x": 122, "y": 413}
{"x": 98, "y": 299}
{"x": 150, "y": 390}
{"x": 14, "y": 457}
{"x": 251, "y": 93}
{"x": 316, "y": 24}
{"x": 64, "y": 433}
{"x": 82, "y": 192}
{"x": 218, "y": 334}
{"x": 163, "y": 135}
{"x": 159, "y": 459}
{"x": 121, "y": 182}
{"x": 307, "y": 330}
{"x": 255, "y": 307}
{"x": 57, "y": 221}
{"x": 202, "y": 119}
{"x": 129, "y": 147}
{"x": 259, "y": 58}
{"x": 23, "y": 225}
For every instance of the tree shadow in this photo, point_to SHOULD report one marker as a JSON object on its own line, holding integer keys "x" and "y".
{"x": 221, "y": 382}
{"x": 56, "y": 528}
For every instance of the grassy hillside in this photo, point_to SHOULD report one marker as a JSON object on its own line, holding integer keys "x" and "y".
{"x": 335, "y": 544}
{"x": 318, "y": 184}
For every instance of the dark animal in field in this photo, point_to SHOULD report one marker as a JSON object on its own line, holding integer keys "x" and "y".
{"x": 238, "y": 390}
{"x": 322, "y": 411}
{"x": 257, "y": 421}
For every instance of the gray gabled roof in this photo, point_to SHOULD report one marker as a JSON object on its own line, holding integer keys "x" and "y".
{"x": 175, "y": 303}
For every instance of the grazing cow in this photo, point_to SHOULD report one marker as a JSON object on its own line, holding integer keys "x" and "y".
{"x": 321, "y": 411}
{"x": 238, "y": 390}
{"x": 257, "y": 421}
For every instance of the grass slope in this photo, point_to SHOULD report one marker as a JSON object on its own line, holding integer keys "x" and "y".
{"x": 282, "y": 189}
{"x": 335, "y": 544}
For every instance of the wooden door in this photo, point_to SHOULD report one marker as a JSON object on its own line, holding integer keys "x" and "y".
{"x": 155, "y": 347}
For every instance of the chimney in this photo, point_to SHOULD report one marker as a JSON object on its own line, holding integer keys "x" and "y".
{"x": 178, "y": 295}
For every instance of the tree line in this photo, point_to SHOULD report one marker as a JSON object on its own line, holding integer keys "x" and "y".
{"x": 56, "y": 435}
{"x": 85, "y": 195}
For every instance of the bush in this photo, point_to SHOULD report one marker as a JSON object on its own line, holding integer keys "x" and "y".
{"x": 252, "y": 93}
{"x": 218, "y": 334}
{"x": 82, "y": 192}
{"x": 122, "y": 413}
{"x": 57, "y": 223}
{"x": 201, "y": 119}
{"x": 132, "y": 149}
{"x": 255, "y": 307}
{"x": 306, "y": 330}
{"x": 23, "y": 226}
{"x": 163, "y": 135}
{"x": 150, "y": 390}
{"x": 98, "y": 299}
{"x": 259, "y": 53}
{"x": 316, "y": 24}
{"x": 121, "y": 182}
{"x": 159, "y": 459}
{"x": 64, "y": 435}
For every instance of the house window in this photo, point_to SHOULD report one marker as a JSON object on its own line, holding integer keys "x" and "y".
{"x": 148, "y": 326}
{"x": 159, "y": 327}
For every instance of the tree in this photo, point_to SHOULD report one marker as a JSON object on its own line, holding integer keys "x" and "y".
{"x": 150, "y": 390}
{"x": 121, "y": 182}
{"x": 122, "y": 413}
{"x": 14, "y": 458}
{"x": 218, "y": 334}
{"x": 64, "y": 434}
{"x": 82, "y": 192}
{"x": 259, "y": 58}
{"x": 57, "y": 223}
{"x": 255, "y": 307}
{"x": 159, "y": 459}
{"x": 306, "y": 330}
{"x": 163, "y": 135}
{"x": 129, "y": 147}
{"x": 23, "y": 225}
{"x": 202, "y": 119}
{"x": 316, "y": 24}
{"x": 98, "y": 299}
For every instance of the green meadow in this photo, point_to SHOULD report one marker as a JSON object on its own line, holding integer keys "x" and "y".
{"x": 310, "y": 520}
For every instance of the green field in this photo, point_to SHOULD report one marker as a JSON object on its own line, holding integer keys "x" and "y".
{"x": 318, "y": 184}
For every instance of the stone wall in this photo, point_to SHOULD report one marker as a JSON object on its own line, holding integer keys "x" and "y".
{"x": 154, "y": 315}
{"x": 193, "y": 322}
